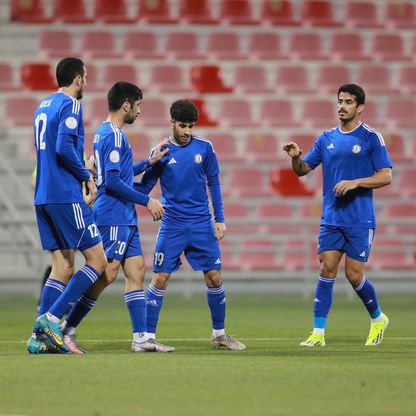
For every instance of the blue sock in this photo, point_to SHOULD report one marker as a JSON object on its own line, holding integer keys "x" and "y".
{"x": 153, "y": 306}
{"x": 80, "y": 310}
{"x": 50, "y": 292}
{"x": 217, "y": 301}
{"x": 323, "y": 301}
{"x": 136, "y": 304}
{"x": 367, "y": 294}
{"x": 80, "y": 282}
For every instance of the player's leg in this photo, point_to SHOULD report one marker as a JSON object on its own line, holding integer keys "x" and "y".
{"x": 358, "y": 250}
{"x": 217, "y": 305}
{"x": 45, "y": 277}
{"x": 331, "y": 246}
{"x": 169, "y": 246}
{"x": 75, "y": 228}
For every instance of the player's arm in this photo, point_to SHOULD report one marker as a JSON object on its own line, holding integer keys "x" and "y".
{"x": 155, "y": 156}
{"x": 149, "y": 179}
{"x": 214, "y": 186}
{"x": 124, "y": 192}
{"x": 300, "y": 167}
{"x": 381, "y": 178}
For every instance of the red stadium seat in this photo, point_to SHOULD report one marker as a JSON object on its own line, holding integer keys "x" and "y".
{"x": 371, "y": 115}
{"x": 37, "y": 76}
{"x": 318, "y": 13}
{"x": 319, "y": 113}
{"x": 168, "y": 78}
{"x": 400, "y": 210}
{"x": 230, "y": 258}
{"x": 196, "y": 12}
{"x": 224, "y": 45}
{"x": 55, "y": 43}
{"x": 304, "y": 141}
{"x": 293, "y": 78}
{"x": 183, "y": 45}
{"x": 225, "y": 147}
{"x": 375, "y": 78}
{"x": 141, "y": 45}
{"x": 347, "y": 46}
{"x": 406, "y": 182}
{"x": 401, "y": 112}
{"x": 98, "y": 44}
{"x": 204, "y": 119}
{"x": 73, "y": 11}
{"x": 299, "y": 254}
{"x": 306, "y": 46}
{"x": 154, "y": 112}
{"x": 261, "y": 147}
{"x": 265, "y": 46}
{"x": 19, "y": 110}
{"x": 151, "y": 11}
{"x": 277, "y": 113}
{"x": 311, "y": 209}
{"x": 330, "y": 77}
{"x": 236, "y": 112}
{"x": 396, "y": 146}
{"x": 251, "y": 79}
{"x": 271, "y": 210}
{"x": 120, "y": 72}
{"x": 32, "y": 11}
{"x": 207, "y": 79}
{"x": 387, "y": 47}
{"x": 7, "y": 82}
{"x": 235, "y": 211}
{"x": 362, "y": 14}
{"x": 246, "y": 182}
{"x": 96, "y": 111}
{"x": 279, "y": 13}
{"x": 407, "y": 79}
{"x": 140, "y": 145}
{"x": 237, "y": 12}
{"x": 259, "y": 254}
{"x": 93, "y": 80}
{"x": 391, "y": 254}
{"x": 400, "y": 14}
{"x": 110, "y": 11}
{"x": 286, "y": 183}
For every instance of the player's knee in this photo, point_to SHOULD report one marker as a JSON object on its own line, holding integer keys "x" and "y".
{"x": 213, "y": 278}
{"x": 160, "y": 280}
{"x": 328, "y": 270}
{"x": 355, "y": 277}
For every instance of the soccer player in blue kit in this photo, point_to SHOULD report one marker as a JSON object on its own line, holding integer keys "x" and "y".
{"x": 354, "y": 161}
{"x": 64, "y": 219}
{"x": 187, "y": 225}
{"x": 116, "y": 218}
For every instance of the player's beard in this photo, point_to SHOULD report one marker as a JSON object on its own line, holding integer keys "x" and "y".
{"x": 129, "y": 118}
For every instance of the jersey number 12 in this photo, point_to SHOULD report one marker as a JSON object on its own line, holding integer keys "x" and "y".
{"x": 40, "y": 128}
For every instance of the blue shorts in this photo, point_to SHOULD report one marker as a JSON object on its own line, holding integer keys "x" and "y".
{"x": 67, "y": 226}
{"x": 120, "y": 241}
{"x": 199, "y": 245}
{"x": 356, "y": 242}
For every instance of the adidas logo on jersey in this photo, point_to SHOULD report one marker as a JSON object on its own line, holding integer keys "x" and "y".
{"x": 171, "y": 161}
{"x": 362, "y": 254}
{"x": 218, "y": 261}
{"x": 330, "y": 146}
{"x": 316, "y": 300}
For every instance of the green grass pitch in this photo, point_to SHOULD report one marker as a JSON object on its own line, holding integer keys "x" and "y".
{"x": 274, "y": 376}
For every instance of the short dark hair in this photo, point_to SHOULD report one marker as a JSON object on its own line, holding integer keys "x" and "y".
{"x": 67, "y": 70}
{"x": 185, "y": 111}
{"x": 353, "y": 89}
{"x": 121, "y": 92}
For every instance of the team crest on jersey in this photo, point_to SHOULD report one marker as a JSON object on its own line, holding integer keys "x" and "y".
{"x": 114, "y": 156}
{"x": 71, "y": 123}
{"x": 198, "y": 158}
{"x": 356, "y": 148}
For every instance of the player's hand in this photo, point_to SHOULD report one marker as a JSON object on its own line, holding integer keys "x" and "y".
{"x": 220, "y": 230}
{"x": 158, "y": 153}
{"x": 342, "y": 187}
{"x": 90, "y": 191}
{"x": 90, "y": 165}
{"x": 155, "y": 209}
{"x": 292, "y": 149}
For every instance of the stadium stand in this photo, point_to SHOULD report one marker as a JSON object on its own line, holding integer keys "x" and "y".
{"x": 261, "y": 72}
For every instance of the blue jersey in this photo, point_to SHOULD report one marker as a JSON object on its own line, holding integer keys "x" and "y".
{"x": 58, "y": 117}
{"x": 184, "y": 173}
{"x": 347, "y": 156}
{"x": 112, "y": 151}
